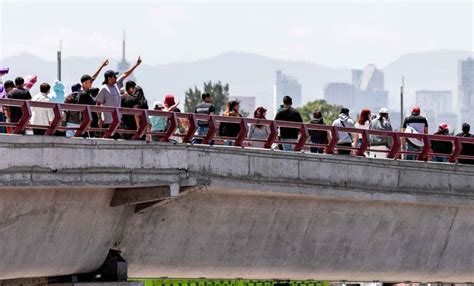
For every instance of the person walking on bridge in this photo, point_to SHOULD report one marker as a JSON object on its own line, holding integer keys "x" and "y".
{"x": 345, "y": 138}
{"x": 288, "y": 113}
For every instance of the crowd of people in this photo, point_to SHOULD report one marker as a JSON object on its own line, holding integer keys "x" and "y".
{"x": 116, "y": 92}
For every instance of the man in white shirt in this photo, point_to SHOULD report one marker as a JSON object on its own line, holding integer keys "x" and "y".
{"x": 41, "y": 116}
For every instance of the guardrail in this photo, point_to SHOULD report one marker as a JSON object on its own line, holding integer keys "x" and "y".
{"x": 189, "y": 122}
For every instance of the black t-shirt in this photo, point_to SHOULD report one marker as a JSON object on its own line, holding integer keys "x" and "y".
{"x": 17, "y": 93}
{"x": 467, "y": 149}
{"x": 204, "y": 108}
{"x": 442, "y": 147}
{"x": 130, "y": 101}
{"x": 85, "y": 97}
{"x": 289, "y": 114}
{"x": 229, "y": 129}
{"x": 140, "y": 95}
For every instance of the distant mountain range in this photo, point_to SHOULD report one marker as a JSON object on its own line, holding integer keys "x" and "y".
{"x": 254, "y": 75}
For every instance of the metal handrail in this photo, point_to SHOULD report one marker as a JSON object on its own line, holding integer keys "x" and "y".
{"x": 174, "y": 120}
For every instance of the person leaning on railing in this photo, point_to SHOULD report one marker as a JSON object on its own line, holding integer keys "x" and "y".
{"x": 415, "y": 123}
{"x": 159, "y": 123}
{"x": 41, "y": 116}
{"x": 19, "y": 92}
{"x": 318, "y": 136}
{"x": 467, "y": 148}
{"x": 383, "y": 143}
{"x": 441, "y": 147}
{"x": 259, "y": 131}
{"x": 230, "y": 129}
{"x": 345, "y": 138}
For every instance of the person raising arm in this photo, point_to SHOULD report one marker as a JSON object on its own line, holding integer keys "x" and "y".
{"x": 97, "y": 72}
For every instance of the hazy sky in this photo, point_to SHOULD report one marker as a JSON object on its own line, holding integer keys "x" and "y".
{"x": 345, "y": 34}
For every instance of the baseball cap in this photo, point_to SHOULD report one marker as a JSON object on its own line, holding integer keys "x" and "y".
{"x": 158, "y": 104}
{"x": 110, "y": 73}
{"x": 85, "y": 78}
{"x": 444, "y": 126}
{"x": 383, "y": 110}
{"x": 415, "y": 110}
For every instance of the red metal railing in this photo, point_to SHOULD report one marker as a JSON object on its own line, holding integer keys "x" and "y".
{"x": 185, "y": 126}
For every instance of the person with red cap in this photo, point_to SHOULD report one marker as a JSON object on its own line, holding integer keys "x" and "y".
{"x": 415, "y": 123}
{"x": 441, "y": 147}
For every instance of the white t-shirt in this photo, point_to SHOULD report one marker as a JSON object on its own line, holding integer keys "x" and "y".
{"x": 41, "y": 116}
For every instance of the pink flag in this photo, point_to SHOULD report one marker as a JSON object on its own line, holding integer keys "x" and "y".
{"x": 30, "y": 80}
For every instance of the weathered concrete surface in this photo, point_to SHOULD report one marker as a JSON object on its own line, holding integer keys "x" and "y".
{"x": 250, "y": 214}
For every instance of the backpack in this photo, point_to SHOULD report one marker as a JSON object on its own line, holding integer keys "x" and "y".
{"x": 73, "y": 116}
{"x": 72, "y": 98}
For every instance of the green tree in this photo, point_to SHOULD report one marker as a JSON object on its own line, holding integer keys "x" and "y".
{"x": 330, "y": 111}
{"x": 218, "y": 91}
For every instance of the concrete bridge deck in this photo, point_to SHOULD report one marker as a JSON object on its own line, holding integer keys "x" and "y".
{"x": 226, "y": 212}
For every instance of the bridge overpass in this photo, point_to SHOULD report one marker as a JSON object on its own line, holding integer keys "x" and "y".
{"x": 229, "y": 212}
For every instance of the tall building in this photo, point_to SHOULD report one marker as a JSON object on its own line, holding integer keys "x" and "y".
{"x": 123, "y": 65}
{"x": 340, "y": 93}
{"x": 286, "y": 85}
{"x": 368, "y": 79}
{"x": 466, "y": 90}
{"x": 437, "y": 106}
{"x": 365, "y": 91}
{"x": 246, "y": 103}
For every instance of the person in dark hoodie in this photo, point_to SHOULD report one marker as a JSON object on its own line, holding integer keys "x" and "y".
{"x": 467, "y": 149}
{"x": 441, "y": 147}
{"x": 318, "y": 137}
{"x": 345, "y": 138}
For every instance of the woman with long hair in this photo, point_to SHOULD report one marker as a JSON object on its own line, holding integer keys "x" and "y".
{"x": 363, "y": 122}
{"x": 259, "y": 131}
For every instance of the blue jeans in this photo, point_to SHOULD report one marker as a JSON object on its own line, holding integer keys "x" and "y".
{"x": 2, "y": 119}
{"x": 200, "y": 131}
{"x": 71, "y": 133}
{"x": 289, "y": 147}
{"x": 440, "y": 159}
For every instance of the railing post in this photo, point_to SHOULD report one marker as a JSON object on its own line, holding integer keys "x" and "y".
{"x": 457, "y": 149}
{"x": 243, "y": 132}
{"x": 303, "y": 137}
{"x": 56, "y": 121}
{"x": 86, "y": 121}
{"x": 396, "y": 144}
{"x": 365, "y": 143}
{"x": 25, "y": 118}
{"x": 332, "y": 144}
{"x": 426, "y": 148}
{"x": 212, "y": 130}
{"x": 171, "y": 128}
{"x": 144, "y": 124}
{"x": 114, "y": 125}
{"x": 272, "y": 136}
{"x": 192, "y": 128}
